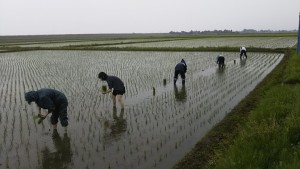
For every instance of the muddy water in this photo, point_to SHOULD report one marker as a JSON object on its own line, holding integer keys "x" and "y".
{"x": 154, "y": 131}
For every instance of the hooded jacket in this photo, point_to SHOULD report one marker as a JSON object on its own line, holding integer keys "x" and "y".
{"x": 47, "y": 99}
{"x": 181, "y": 66}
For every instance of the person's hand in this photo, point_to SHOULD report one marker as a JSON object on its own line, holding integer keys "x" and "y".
{"x": 104, "y": 92}
{"x": 44, "y": 115}
{"x": 41, "y": 119}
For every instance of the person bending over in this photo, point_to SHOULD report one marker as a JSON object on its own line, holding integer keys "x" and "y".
{"x": 116, "y": 86}
{"x": 243, "y": 52}
{"x": 52, "y": 100}
{"x": 181, "y": 69}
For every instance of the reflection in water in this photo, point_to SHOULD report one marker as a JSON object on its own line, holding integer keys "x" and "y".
{"x": 60, "y": 159}
{"x": 243, "y": 62}
{"x": 114, "y": 128}
{"x": 180, "y": 95}
{"x": 220, "y": 72}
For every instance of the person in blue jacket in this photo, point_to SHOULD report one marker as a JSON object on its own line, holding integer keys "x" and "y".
{"x": 52, "y": 100}
{"x": 115, "y": 85}
{"x": 181, "y": 69}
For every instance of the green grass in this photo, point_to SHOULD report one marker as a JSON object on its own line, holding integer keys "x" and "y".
{"x": 161, "y": 49}
{"x": 263, "y": 131}
{"x": 270, "y": 138}
{"x": 10, "y": 43}
{"x": 292, "y": 74}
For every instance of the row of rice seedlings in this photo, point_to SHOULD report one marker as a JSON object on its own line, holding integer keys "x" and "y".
{"x": 85, "y": 43}
{"x": 154, "y": 122}
{"x": 263, "y": 42}
{"x": 13, "y": 108}
{"x": 150, "y": 130}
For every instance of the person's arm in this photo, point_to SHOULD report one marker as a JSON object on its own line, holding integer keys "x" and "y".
{"x": 110, "y": 86}
{"x": 107, "y": 91}
{"x": 40, "y": 109}
{"x": 47, "y": 103}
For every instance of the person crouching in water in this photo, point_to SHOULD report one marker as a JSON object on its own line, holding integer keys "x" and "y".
{"x": 181, "y": 69}
{"x": 116, "y": 86}
{"x": 221, "y": 61}
{"x": 52, "y": 100}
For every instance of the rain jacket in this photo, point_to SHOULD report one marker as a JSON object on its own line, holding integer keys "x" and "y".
{"x": 181, "y": 66}
{"x": 53, "y": 100}
{"x": 220, "y": 59}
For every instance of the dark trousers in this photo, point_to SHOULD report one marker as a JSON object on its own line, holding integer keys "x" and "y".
{"x": 182, "y": 75}
{"x": 61, "y": 113}
{"x": 221, "y": 61}
{"x": 243, "y": 52}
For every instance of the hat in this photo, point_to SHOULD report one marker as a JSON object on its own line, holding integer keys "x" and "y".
{"x": 31, "y": 96}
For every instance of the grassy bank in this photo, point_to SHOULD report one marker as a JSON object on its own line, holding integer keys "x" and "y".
{"x": 148, "y": 49}
{"x": 263, "y": 131}
{"x": 99, "y": 37}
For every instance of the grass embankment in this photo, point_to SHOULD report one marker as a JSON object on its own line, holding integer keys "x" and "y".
{"x": 263, "y": 131}
{"x": 12, "y": 43}
{"x": 154, "y": 49}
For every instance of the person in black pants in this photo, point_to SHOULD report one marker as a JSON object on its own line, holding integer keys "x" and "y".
{"x": 243, "y": 52}
{"x": 181, "y": 69}
{"x": 52, "y": 100}
{"x": 221, "y": 61}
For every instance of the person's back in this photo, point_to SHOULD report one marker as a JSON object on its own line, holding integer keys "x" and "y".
{"x": 56, "y": 96}
{"x": 115, "y": 83}
{"x": 242, "y": 48}
{"x": 181, "y": 66}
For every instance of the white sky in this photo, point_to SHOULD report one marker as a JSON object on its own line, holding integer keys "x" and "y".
{"x": 30, "y": 17}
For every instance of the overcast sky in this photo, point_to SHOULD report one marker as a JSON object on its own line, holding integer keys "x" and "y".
{"x": 30, "y": 17}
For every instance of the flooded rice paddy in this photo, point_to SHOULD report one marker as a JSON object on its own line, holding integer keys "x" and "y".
{"x": 263, "y": 42}
{"x": 160, "y": 122}
{"x": 102, "y": 42}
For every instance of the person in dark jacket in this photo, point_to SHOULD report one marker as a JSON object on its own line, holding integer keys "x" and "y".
{"x": 52, "y": 100}
{"x": 116, "y": 86}
{"x": 221, "y": 61}
{"x": 181, "y": 69}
